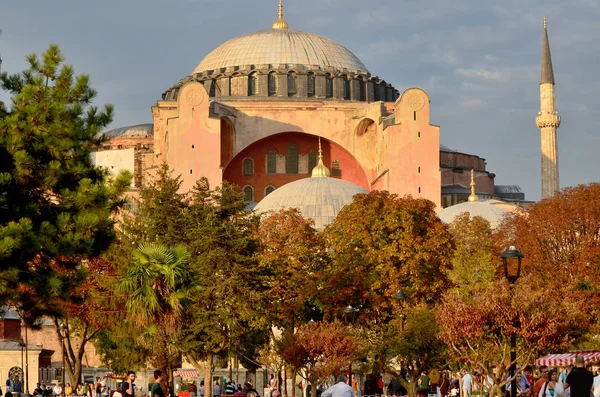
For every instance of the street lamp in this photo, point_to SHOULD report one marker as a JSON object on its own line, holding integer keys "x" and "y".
{"x": 511, "y": 258}
{"x": 63, "y": 333}
{"x": 401, "y": 296}
{"x": 350, "y": 311}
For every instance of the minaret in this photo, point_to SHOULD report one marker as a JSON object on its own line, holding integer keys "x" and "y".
{"x": 548, "y": 121}
{"x": 473, "y": 197}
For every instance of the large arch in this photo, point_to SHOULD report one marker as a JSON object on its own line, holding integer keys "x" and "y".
{"x": 349, "y": 168}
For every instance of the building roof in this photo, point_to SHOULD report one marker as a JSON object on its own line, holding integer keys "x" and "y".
{"x": 15, "y": 345}
{"x": 7, "y": 314}
{"x": 319, "y": 198}
{"x": 507, "y": 189}
{"x": 281, "y": 46}
{"x": 131, "y": 131}
{"x": 547, "y": 72}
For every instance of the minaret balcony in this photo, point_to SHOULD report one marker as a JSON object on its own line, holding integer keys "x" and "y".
{"x": 548, "y": 120}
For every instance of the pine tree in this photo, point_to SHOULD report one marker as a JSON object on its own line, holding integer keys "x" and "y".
{"x": 56, "y": 207}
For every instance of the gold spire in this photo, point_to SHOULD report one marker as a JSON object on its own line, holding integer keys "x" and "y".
{"x": 545, "y": 23}
{"x": 280, "y": 23}
{"x": 473, "y": 196}
{"x": 320, "y": 171}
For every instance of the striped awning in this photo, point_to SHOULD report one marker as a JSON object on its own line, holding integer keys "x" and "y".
{"x": 563, "y": 359}
{"x": 186, "y": 373}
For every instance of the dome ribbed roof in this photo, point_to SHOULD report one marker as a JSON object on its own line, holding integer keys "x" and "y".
{"x": 320, "y": 198}
{"x": 489, "y": 210}
{"x": 280, "y": 46}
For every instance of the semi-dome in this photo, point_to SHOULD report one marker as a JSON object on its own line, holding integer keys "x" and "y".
{"x": 281, "y": 46}
{"x": 320, "y": 197}
{"x": 487, "y": 209}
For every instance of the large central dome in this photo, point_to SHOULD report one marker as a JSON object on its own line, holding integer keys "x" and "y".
{"x": 281, "y": 46}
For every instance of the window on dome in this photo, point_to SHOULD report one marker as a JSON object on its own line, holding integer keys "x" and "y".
{"x": 248, "y": 193}
{"x": 346, "y": 88}
{"x": 291, "y": 84}
{"x": 252, "y": 82}
{"x": 271, "y": 162}
{"x": 363, "y": 90}
{"x": 248, "y": 167}
{"x": 213, "y": 88}
{"x": 310, "y": 85}
{"x": 291, "y": 159}
{"x": 269, "y": 189}
{"x": 376, "y": 92}
{"x": 328, "y": 86}
{"x": 272, "y": 84}
{"x": 312, "y": 160}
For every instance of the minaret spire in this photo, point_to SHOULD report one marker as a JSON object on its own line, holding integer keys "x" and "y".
{"x": 548, "y": 121}
{"x": 280, "y": 23}
{"x": 320, "y": 171}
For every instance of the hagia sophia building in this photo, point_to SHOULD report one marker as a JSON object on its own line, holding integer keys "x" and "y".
{"x": 255, "y": 109}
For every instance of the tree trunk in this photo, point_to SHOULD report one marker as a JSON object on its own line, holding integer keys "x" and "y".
{"x": 313, "y": 385}
{"x": 210, "y": 369}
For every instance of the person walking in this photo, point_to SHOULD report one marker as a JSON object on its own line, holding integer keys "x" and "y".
{"x": 340, "y": 389}
{"x": 128, "y": 387}
{"x": 580, "y": 380}
{"x": 157, "y": 390}
{"x": 596, "y": 384}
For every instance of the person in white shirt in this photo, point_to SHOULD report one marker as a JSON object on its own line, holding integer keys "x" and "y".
{"x": 467, "y": 383}
{"x": 57, "y": 390}
{"x": 340, "y": 389}
{"x": 596, "y": 384}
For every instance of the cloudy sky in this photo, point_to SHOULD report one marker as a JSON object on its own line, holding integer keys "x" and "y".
{"x": 479, "y": 61}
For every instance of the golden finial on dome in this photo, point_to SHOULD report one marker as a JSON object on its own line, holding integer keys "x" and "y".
{"x": 280, "y": 23}
{"x": 473, "y": 196}
{"x": 320, "y": 171}
{"x": 545, "y": 23}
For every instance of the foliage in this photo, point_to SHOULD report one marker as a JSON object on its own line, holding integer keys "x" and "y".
{"x": 472, "y": 264}
{"x": 159, "y": 286}
{"x": 292, "y": 255}
{"x": 380, "y": 244}
{"x": 56, "y": 207}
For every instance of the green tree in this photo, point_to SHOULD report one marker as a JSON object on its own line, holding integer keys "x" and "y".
{"x": 222, "y": 242}
{"x": 159, "y": 285}
{"x": 56, "y": 207}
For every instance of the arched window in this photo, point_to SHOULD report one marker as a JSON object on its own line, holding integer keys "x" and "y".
{"x": 252, "y": 79}
{"x": 269, "y": 189}
{"x": 213, "y": 88}
{"x": 272, "y": 84}
{"x": 248, "y": 193}
{"x": 363, "y": 90}
{"x": 346, "y": 88}
{"x": 312, "y": 160}
{"x": 328, "y": 86}
{"x": 271, "y": 162}
{"x": 291, "y": 159}
{"x": 376, "y": 95}
{"x": 248, "y": 167}
{"x": 310, "y": 85}
{"x": 291, "y": 84}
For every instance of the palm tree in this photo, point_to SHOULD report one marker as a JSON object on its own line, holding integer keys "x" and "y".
{"x": 159, "y": 286}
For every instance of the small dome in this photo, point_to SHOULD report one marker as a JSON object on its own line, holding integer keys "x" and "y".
{"x": 280, "y": 46}
{"x": 132, "y": 131}
{"x": 318, "y": 198}
{"x": 489, "y": 210}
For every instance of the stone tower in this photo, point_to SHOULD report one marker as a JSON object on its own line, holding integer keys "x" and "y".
{"x": 548, "y": 121}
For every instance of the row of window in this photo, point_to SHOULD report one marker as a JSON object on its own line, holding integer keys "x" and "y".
{"x": 249, "y": 192}
{"x": 291, "y": 161}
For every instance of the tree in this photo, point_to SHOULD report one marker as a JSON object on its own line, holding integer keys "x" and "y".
{"x": 222, "y": 241}
{"x": 322, "y": 349}
{"x": 159, "y": 286}
{"x": 292, "y": 255}
{"x": 56, "y": 207}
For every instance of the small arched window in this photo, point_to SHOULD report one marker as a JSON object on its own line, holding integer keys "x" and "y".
{"x": 213, "y": 88}
{"x": 291, "y": 84}
{"x": 248, "y": 167}
{"x": 312, "y": 160}
{"x": 376, "y": 95}
{"x": 248, "y": 193}
{"x": 363, "y": 90}
{"x": 252, "y": 83}
{"x": 310, "y": 85}
{"x": 328, "y": 86}
{"x": 291, "y": 159}
{"x": 271, "y": 162}
{"x": 269, "y": 189}
{"x": 346, "y": 88}
{"x": 272, "y": 84}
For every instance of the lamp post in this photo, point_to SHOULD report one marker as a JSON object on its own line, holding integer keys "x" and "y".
{"x": 401, "y": 296}
{"x": 350, "y": 312}
{"x": 511, "y": 259}
{"x": 63, "y": 332}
